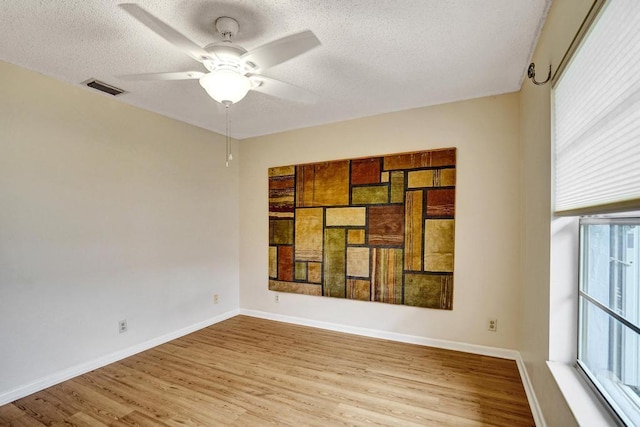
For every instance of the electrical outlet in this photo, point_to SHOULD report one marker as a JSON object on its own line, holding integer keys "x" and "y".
{"x": 122, "y": 326}
{"x": 276, "y": 298}
{"x": 215, "y": 298}
{"x": 492, "y": 325}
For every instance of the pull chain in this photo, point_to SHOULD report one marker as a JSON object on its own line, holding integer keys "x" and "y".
{"x": 228, "y": 156}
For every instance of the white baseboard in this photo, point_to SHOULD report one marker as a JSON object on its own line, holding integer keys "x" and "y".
{"x": 536, "y": 411}
{"x": 413, "y": 339}
{"x": 83, "y": 368}
{"x": 392, "y": 336}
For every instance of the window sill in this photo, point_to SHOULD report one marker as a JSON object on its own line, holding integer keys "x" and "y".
{"x": 584, "y": 404}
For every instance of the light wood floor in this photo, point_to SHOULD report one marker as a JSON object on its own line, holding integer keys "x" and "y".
{"x": 246, "y": 371}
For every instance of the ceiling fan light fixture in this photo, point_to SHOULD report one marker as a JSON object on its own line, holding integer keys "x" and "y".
{"x": 225, "y": 86}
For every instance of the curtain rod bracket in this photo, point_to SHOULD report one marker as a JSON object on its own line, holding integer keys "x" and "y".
{"x": 531, "y": 73}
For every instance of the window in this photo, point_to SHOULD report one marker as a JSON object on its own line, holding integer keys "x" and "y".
{"x": 609, "y": 309}
{"x": 596, "y": 138}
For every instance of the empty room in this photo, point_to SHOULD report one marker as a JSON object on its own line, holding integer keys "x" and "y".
{"x": 319, "y": 213}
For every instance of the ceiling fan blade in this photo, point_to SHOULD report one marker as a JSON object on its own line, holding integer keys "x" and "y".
{"x": 180, "y": 75}
{"x": 283, "y": 90}
{"x": 281, "y": 50}
{"x": 166, "y": 32}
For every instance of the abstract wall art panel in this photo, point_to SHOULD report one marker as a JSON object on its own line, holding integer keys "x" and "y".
{"x": 373, "y": 229}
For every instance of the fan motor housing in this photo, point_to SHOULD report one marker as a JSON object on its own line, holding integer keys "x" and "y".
{"x": 225, "y": 55}
{"x": 226, "y": 50}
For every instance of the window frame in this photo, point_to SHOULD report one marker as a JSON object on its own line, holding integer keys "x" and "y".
{"x": 603, "y": 395}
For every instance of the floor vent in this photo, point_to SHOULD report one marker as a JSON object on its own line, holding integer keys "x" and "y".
{"x": 103, "y": 87}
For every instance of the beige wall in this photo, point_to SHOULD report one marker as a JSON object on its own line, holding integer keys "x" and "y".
{"x": 563, "y": 21}
{"x": 487, "y": 263}
{"x": 107, "y": 212}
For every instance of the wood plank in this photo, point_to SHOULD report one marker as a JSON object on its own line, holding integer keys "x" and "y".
{"x": 10, "y": 415}
{"x": 247, "y": 371}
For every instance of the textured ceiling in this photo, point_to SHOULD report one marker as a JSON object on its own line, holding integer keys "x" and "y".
{"x": 376, "y": 56}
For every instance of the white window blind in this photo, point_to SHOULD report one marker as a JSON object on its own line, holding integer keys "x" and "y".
{"x": 597, "y": 115}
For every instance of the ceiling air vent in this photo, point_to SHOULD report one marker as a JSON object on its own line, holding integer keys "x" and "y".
{"x": 103, "y": 87}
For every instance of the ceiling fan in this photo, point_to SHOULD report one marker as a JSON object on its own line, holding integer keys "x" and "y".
{"x": 232, "y": 70}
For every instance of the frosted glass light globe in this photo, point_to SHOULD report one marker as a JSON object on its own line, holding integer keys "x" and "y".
{"x": 225, "y": 86}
